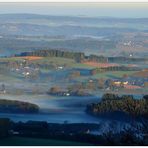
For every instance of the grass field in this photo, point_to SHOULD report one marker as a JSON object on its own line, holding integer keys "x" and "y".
{"x": 61, "y": 61}
{"x": 46, "y": 60}
{"x": 11, "y": 59}
{"x": 100, "y": 65}
{"x": 57, "y": 60}
{"x": 81, "y": 65}
{"x": 71, "y": 64}
{"x": 30, "y": 58}
{"x": 23, "y": 141}
{"x": 106, "y": 75}
{"x": 113, "y": 74}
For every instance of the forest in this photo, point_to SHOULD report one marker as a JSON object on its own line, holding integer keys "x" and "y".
{"x": 125, "y": 105}
{"x": 12, "y": 106}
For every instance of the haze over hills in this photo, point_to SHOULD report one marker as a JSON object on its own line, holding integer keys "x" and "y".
{"x": 74, "y": 72}
{"x": 46, "y": 25}
{"x": 90, "y": 34}
{"x": 92, "y": 72}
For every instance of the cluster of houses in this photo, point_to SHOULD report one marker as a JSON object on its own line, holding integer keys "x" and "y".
{"x": 131, "y": 82}
{"x": 26, "y": 71}
{"x": 128, "y": 82}
{"x": 114, "y": 84}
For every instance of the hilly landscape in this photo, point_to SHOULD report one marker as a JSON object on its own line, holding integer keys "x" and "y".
{"x": 73, "y": 80}
{"x": 107, "y": 36}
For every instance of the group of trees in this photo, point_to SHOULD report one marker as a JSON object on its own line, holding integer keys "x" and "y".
{"x": 126, "y": 104}
{"x": 134, "y": 134}
{"x": 70, "y": 91}
{"x": 75, "y": 74}
{"x": 55, "y": 53}
{"x": 77, "y": 56}
{"x": 126, "y": 59}
{"x": 89, "y": 85}
{"x": 80, "y": 56}
{"x": 113, "y": 68}
{"x": 12, "y": 106}
{"x": 95, "y": 58}
{"x": 4, "y": 127}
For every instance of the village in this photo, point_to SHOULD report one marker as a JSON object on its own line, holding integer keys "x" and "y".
{"x": 83, "y": 76}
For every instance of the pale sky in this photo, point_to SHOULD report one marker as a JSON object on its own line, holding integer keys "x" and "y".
{"x": 127, "y": 10}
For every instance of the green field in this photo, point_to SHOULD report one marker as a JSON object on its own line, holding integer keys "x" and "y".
{"x": 72, "y": 64}
{"x": 106, "y": 75}
{"x": 61, "y": 61}
{"x": 47, "y": 60}
{"x": 56, "y": 60}
{"x": 23, "y": 141}
{"x": 81, "y": 65}
{"x": 11, "y": 59}
{"x": 113, "y": 74}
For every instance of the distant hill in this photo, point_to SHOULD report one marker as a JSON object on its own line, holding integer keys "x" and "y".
{"x": 23, "y": 16}
{"x": 29, "y": 32}
{"x": 33, "y": 24}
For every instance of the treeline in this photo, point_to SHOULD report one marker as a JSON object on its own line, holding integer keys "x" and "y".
{"x": 80, "y": 56}
{"x": 55, "y": 53}
{"x": 95, "y": 58}
{"x": 12, "y": 106}
{"x": 70, "y": 91}
{"x": 113, "y": 68}
{"x": 122, "y": 59}
{"x": 77, "y": 132}
{"x": 77, "y": 56}
{"x": 112, "y": 104}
